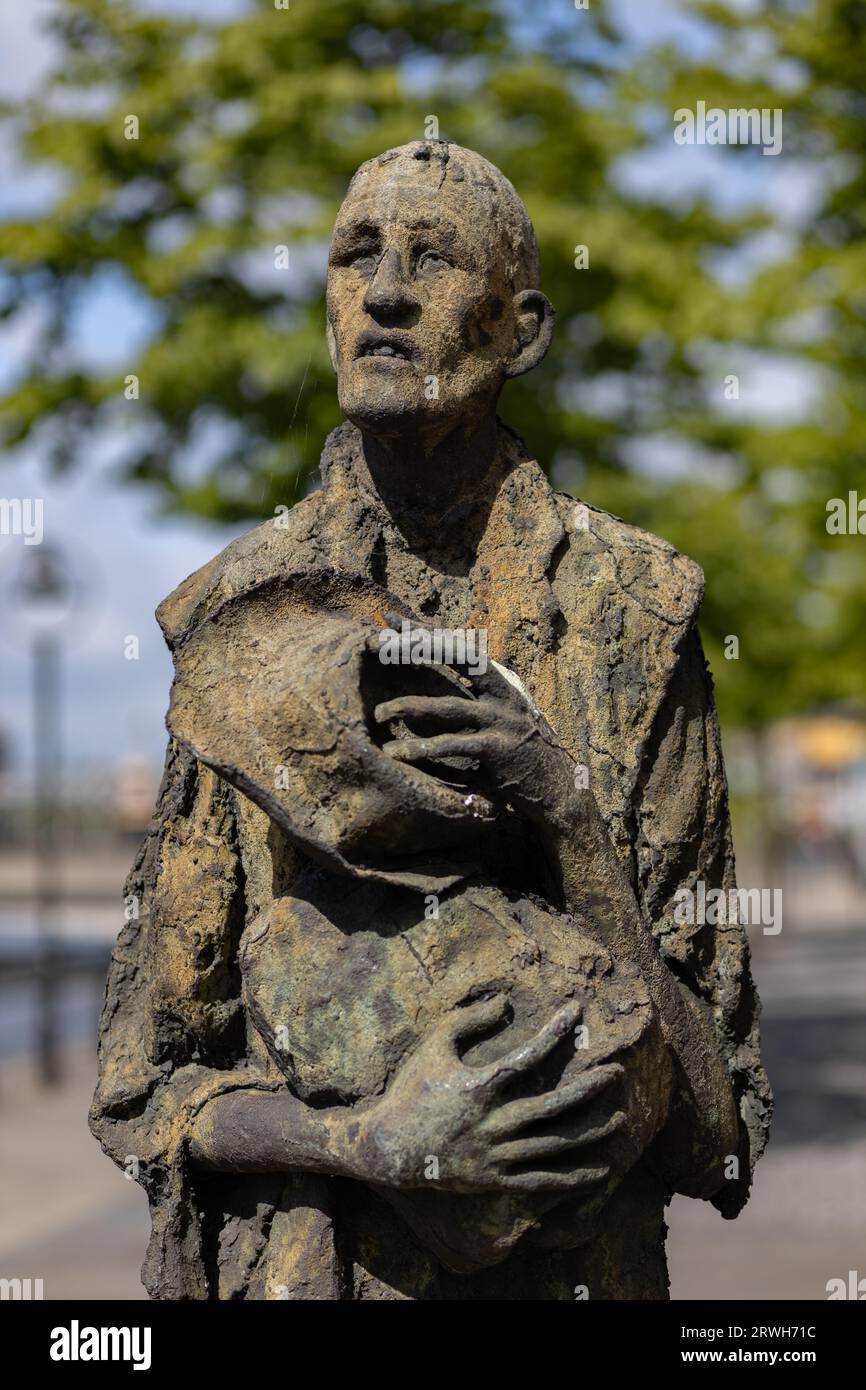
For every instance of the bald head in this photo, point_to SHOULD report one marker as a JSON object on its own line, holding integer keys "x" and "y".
{"x": 486, "y": 190}
{"x": 433, "y": 297}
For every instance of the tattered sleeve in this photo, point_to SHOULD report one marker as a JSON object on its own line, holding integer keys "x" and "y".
{"x": 682, "y": 834}
{"x": 172, "y": 1028}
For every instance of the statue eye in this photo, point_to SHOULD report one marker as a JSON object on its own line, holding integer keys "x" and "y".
{"x": 431, "y": 260}
{"x": 363, "y": 259}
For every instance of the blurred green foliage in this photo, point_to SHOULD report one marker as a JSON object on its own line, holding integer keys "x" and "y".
{"x": 248, "y": 131}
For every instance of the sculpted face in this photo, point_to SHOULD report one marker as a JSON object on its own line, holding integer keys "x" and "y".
{"x": 424, "y": 325}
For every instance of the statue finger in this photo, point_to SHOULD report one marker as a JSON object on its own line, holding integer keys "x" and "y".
{"x": 516, "y": 1114}
{"x": 470, "y": 1019}
{"x": 545, "y": 1145}
{"x": 521, "y": 1059}
{"x": 453, "y": 711}
{"x": 493, "y": 679}
{"x": 577, "y": 1180}
{"x": 410, "y": 750}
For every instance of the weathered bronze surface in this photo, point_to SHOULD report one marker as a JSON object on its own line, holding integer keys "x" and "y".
{"x": 404, "y": 1010}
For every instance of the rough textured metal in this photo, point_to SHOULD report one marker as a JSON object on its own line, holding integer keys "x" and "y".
{"x": 353, "y": 954}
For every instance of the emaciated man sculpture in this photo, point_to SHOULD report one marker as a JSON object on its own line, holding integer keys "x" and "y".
{"x": 405, "y": 1010}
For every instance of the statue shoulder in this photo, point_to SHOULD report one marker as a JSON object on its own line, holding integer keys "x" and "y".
{"x": 248, "y": 560}
{"x": 607, "y": 560}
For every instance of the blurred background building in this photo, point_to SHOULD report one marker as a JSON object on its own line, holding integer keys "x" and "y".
{"x": 167, "y": 183}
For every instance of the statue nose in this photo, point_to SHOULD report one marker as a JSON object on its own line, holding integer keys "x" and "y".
{"x": 389, "y": 295}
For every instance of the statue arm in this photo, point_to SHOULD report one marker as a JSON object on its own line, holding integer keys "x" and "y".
{"x": 175, "y": 1068}
{"x": 252, "y": 1131}
{"x": 684, "y": 837}
{"x": 595, "y": 887}
{"x": 698, "y": 975}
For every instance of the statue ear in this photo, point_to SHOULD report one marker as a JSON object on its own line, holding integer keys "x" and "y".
{"x": 533, "y": 316}
{"x": 332, "y": 344}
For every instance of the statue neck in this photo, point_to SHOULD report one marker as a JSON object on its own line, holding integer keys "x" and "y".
{"x": 438, "y": 493}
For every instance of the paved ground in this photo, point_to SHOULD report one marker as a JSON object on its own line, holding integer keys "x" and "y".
{"x": 69, "y": 1217}
{"x": 806, "y": 1221}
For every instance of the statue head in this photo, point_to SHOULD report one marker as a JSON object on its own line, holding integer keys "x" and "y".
{"x": 433, "y": 291}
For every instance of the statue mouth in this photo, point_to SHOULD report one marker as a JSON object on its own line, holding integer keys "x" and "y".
{"x": 394, "y": 348}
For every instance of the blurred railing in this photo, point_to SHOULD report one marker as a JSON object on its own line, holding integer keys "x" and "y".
{"x": 46, "y": 977}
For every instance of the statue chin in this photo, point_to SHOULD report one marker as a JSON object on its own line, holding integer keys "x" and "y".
{"x": 385, "y": 417}
{"x": 384, "y": 392}
{"x": 392, "y": 401}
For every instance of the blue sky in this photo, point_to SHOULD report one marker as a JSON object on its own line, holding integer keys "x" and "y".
{"x": 114, "y": 707}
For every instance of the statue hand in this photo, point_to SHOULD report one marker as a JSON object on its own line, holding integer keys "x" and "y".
{"x": 511, "y": 740}
{"x": 438, "y": 1108}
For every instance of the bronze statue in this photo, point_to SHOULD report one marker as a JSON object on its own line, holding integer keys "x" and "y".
{"x": 403, "y": 1009}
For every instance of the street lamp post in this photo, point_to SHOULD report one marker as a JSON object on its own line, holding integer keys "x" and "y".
{"x": 47, "y": 845}
{"x": 45, "y": 594}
